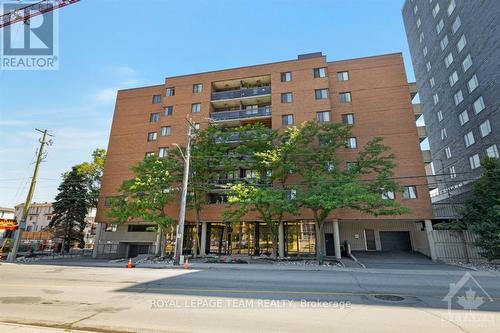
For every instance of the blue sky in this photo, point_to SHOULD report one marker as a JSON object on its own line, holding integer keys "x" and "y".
{"x": 105, "y": 45}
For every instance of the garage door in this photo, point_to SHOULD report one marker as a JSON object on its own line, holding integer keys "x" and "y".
{"x": 395, "y": 240}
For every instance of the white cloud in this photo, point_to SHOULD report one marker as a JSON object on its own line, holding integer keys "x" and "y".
{"x": 106, "y": 95}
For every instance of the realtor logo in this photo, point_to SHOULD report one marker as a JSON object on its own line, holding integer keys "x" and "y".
{"x": 32, "y": 44}
{"x": 467, "y": 294}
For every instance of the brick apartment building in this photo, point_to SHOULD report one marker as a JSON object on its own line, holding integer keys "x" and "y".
{"x": 372, "y": 93}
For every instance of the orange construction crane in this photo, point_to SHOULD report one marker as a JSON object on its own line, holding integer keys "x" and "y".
{"x": 25, "y": 13}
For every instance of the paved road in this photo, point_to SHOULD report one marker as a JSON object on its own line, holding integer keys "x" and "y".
{"x": 233, "y": 300}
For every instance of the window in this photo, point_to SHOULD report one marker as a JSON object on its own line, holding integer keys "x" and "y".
{"x": 435, "y": 10}
{"x": 170, "y": 91}
{"x": 197, "y": 88}
{"x": 286, "y": 76}
{"x": 149, "y": 154}
{"x": 287, "y": 119}
{"x": 321, "y": 93}
{"x": 444, "y": 42}
{"x": 485, "y": 128}
{"x": 474, "y": 161}
{"x": 453, "y": 78}
{"x": 156, "y": 99}
{"x": 440, "y": 26}
{"x": 440, "y": 115}
{"x": 467, "y": 63}
{"x": 435, "y": 98}
{"x": 469, "y": 139}
{"x": 163, "y": 152}
{"x": 461, "y": 43}
{"x": 444, "y": 135}
{"x": 342, "y": 76}
{"x": 154, "y": 117}
{"x": 473, "y": 83}
{"x": 345, "y": 97}
{"x": 152, "y": 136}
{"x": 456, "y": 24}
{"x": 388, "y": 195}
{"x": 451, "y": 7}
{"x": 196, "y": 126}
{"x": 168, "y": 110}
{"x": 432, "y": 82}
{"x": 166, "y": 131}
{"x": 291, "y": 194}
{"x": 447, "y": 151}
{"x": 425, "y": 51}
{"x": 141, "y": 228}
{"x": 448, "y": 60}
{"x": 463, "y": 117}
{"x": 410, "y": 192}
{"x": 286, "y": 97}
{"x": 458, "y": 97}
{"x": 421, "y": 37}
{"x": 323, "y": 117}
{"x": 492, "y": 151}
{"x": 419, "y": 22}
{"x": 196, "y": 107}
{"x": 351, "y": 143}
{"x": 478, "y": 105}
{"x": 319, "y": 72}
{"x": 428, "y": 65}
{"x": 348, "y": 119}
{"x": 453, "y": 174}
{"x": 110, "y": 227}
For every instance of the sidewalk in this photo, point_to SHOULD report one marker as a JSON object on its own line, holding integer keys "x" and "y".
{"x": 21, "y": 328}
{"x": 89, "y": 262}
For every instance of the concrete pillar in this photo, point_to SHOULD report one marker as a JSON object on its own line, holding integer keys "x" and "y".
{"x": 281, "y": 240}
{"x": 203, "y": 245}
{"x": 336, "y": 239}
{"x": 158, "y": 242}
{"x": 96, "y": 239}
{"x": 430, "y": 239}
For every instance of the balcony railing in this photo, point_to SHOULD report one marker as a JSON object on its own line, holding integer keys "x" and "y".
{"x": 447, "y": 210}
{"x": 231, "y": 137}
{"x": 241, "y": 114}
{"x": 241, "y": 93}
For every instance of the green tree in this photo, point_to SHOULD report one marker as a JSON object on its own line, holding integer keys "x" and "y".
{"x": 481, "y": 213}
{"x": 70, "y": 209}
{"x": 326, "y": 185}
{"x": 210, "y": 161}
{"x": 144, "y": 197}
{"x": 265, "y": 191}
{"x": 92, "y": 171}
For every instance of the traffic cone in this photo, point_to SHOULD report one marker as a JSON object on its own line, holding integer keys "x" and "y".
{"x": 186, "y": 264}
{"x": 130, "y": 265}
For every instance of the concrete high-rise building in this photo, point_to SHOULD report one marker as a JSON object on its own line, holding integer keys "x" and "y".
{"x": 455, "y": 49}
{"x": 371, "y": 93}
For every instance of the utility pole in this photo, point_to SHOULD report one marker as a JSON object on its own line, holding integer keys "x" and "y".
{"x": 182, "y": 211}
{"x": 22, "y": 224}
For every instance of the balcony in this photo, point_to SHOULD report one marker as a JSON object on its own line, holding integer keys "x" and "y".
{"x": 261, "y": 112}
{"x": 241, "y": 93}
{"x": 447, "y": 210}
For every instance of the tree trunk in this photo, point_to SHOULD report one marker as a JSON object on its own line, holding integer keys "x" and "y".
{"x": 197, "y": 231}
{"x": 319, "y": 242}
{"x": 163, "y": 240}
{"x": 274, "y": 241}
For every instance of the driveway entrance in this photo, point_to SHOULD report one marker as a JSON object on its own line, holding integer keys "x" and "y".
{"x": 400, "y": 260}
